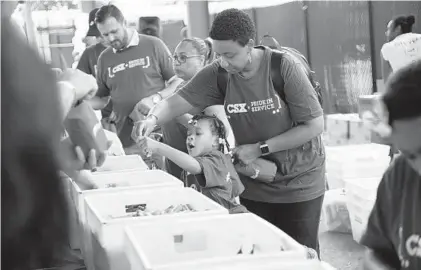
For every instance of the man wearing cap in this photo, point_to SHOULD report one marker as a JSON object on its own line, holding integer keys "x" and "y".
{"x": 94, "y": 46}
{"x": 88, "y": 61}
{"x": 136, "y": 71}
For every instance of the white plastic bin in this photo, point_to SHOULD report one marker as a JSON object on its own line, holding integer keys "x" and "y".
{"x": 124, "y": 180}
{"x": 361, "y": 197}
{"x": 355, "y": 161}
{"x": 204, "y": 243}
{"x": 74, "y": 231}
{"x": 120, "y": 163}
{"x": 108, "y": 233}
{"x": 269, "y": 263}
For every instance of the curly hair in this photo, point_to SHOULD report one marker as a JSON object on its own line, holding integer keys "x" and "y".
{"x": 217, "y": 127}
{"x": 403, "y": 96}
{"x": 233, "y": 24}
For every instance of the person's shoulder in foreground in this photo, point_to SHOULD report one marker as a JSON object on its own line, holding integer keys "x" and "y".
{"x": 394, "y": 228}
{"x": 393, "y": 233}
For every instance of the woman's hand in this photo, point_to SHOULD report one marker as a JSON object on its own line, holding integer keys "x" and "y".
{"x": 143, "y": 128}
{"x": 247, "y": 153}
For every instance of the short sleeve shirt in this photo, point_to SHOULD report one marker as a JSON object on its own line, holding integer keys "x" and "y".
{"x": 394, "y": 227}
{"x": 89, "y": 59}
{"x": 403, "y": 50}
{"x": 257, "y": 113}
{"x": 132, "y": 74}
{"x": 218, "y": 181}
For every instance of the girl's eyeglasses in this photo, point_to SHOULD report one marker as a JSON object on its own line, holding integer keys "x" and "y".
{"x": 183, "y": 58}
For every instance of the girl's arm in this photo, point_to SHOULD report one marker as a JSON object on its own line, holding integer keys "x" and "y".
{"x": 183, "y": 160}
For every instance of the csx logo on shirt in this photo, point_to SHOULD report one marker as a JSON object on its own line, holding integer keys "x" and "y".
{"x": 237, "y": 108}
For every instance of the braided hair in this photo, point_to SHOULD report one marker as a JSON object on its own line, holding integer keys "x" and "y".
{"x": 201, "y": 46}
{"x": 217, "y": 128}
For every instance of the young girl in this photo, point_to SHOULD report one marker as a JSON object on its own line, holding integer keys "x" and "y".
{"x": 206, "y": 167}
{"x": 190, "y": 56}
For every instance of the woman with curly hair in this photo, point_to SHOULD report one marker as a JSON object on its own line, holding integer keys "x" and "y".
{"x": 285, "y": 131}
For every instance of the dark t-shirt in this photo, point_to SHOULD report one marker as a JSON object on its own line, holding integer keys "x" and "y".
{"x": 253, "y": 107}
{"x": 132, "y": 74}
{"x": 394, "y": 227}
{"x": 89, "y": 59}
{"x": 218, "y": 181}
{"x": 88, "y": 64}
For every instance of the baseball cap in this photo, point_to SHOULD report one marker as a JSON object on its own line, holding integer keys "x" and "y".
{"x": 93, "y": 30}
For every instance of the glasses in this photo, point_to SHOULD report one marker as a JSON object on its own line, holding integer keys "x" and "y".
{"x": 183, "y": 58}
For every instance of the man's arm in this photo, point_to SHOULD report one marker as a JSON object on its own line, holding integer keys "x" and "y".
{"x": 303, "y": 105}
{"x": 162, "y": 54}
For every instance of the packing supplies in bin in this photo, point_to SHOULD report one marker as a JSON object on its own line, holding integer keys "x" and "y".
{"x": 108, "y": 214}
{"x": 201, "y": 243}
{"x": 114, "y": 182}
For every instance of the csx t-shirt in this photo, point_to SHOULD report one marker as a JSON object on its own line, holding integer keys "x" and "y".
{"x": 257, "y": 113}
{"x": 394, "y": 227}
{"x": 218, "y": 181}
{"x": 131, "y": 74}
{"x": 403, "y": 50}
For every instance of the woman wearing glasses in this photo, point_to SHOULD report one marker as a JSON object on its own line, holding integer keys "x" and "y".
{"x": 190, "y": 56}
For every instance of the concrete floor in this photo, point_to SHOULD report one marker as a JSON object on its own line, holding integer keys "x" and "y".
{"x": 341, "y": 251}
